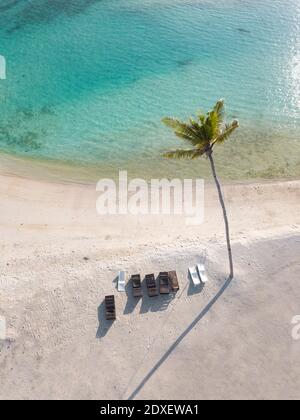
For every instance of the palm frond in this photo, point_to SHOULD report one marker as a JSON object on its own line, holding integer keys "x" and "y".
{"x": 214, "y": 120}
{"x": 211, "y": 125}
{"x": 173, "y": 123}
{"x": 202, "y": 133}
{"x": 219, "y": 111}
{"x": 229, "y": 129}
{"x": 202, "y": 137}
{"x": 201, "y": 118}
{"x": 194, "y": 124}
{"x": 199, "y": 151}
{"x": 188, "y": 131}
{"x": 184, "y": 153}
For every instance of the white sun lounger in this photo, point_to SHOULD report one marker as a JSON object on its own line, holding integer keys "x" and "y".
{"x": 202, "y": 273}
{"x": 194, "y": 276}
{"x": 121, "y": 281}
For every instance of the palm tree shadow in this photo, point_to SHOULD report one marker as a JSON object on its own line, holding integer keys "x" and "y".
{"x": 104, "y": 324}
{"x": 180, "y": 338}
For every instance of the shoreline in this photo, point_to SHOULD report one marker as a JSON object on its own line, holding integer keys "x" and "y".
{"x": 59, "y": 173}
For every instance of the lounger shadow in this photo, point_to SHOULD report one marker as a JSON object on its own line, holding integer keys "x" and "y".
{"x": 131, "y": 301}
{"x": 194, "y": 290}
{"x": 156, "y": 304}
{"x": 104, "y": 325}
{"x": 115, "y": 281}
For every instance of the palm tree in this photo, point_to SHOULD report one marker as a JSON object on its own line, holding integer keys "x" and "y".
{"x": 203, "y": 134}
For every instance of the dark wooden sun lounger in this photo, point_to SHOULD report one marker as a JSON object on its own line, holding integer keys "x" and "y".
{"x": 173, "y": 281}
{"x": 136, "y": 285}
{"x": 164, "y": 285}
{"x": 151, "y": 285}
{"x": 110, "y": 307}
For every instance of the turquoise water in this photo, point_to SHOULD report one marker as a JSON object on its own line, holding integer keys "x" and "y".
{"x": 88, "y": 81}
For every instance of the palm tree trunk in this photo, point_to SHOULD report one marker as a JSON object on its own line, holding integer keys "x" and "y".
{"x": 209, "y": 154}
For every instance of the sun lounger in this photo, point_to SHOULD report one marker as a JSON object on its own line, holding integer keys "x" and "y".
{"x": 163, "y": 281}
{"x": 151, "y": 285}
{"x": 173, "y": 281}
{"x": 194, "y": 276}
{"x": 202, "y": 273}
{"x": 110, "y": 307}
{"x": 136, "y": 285}
{"x": 121, "y": 281}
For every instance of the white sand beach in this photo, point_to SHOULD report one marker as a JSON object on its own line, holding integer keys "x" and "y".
{"x": 229, "y": 340}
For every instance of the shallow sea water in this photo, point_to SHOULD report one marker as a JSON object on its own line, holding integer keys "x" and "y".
{"x": 88, "y": 82}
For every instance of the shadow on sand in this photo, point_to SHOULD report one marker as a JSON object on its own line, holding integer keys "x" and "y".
{"x": 131, "y": 302}
{"x": 194, "y": 290}
{"x": 149, "y": 304}
{"x": 104, "y": 325}
{"x": 156, "y": 304}
{"x": 179, "y": 339}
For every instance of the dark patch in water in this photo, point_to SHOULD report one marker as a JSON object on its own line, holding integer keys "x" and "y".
{"x": 44, "y": 11}
{"x": 17, "y": 134}
{"x": 184, "y": 63}
{"x": 27, "y": 141}
{"x": 9, "y": 5}
{"x": 26, "y": 113}
{"x": 47, "y": 110}
{"x": 243, "y": 31}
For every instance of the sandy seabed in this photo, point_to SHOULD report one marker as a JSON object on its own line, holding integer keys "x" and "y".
{"x": 229, "y": 340}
